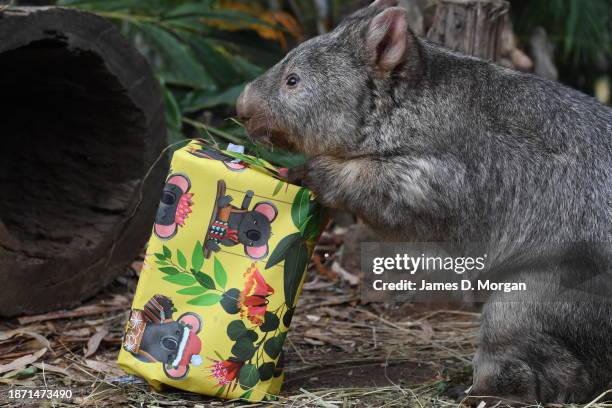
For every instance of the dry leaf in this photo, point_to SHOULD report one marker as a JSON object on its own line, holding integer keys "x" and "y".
{"x": 51, "y": 368}
{"x": 21, "y": 362}
{"x": 94, "y": 342}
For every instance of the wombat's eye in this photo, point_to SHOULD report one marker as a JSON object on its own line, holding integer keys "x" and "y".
{"x": 292, "y": 80}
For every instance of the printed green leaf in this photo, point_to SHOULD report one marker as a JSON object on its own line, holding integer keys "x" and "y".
{"x": 193, "y": 291}
{"x": 204, "y": 279}
{"x": 167, "y": 252}
{"x": 310, "y": 229}
{"x": 248, "y": 376}
{"x": 183, "y": 279}
{"x": 220, "y": 392}
{"x": 246, "y": 395}
{"x": 243, "y": 349}
{"x": 300, "y": 207}
{"x": 161, "y": 262}
{"x": 182, "y": 261}
{"x": 266, "y": 371}
{"x": 278, "y": 187}
{"x": 236, "y": 329}
{"x": 229, "y": 301}
{"x": 270, "y": 323}
{"x": 252, "y": 335}
{"x": 287, "y": 317}
{"x": 170, "y": 270}
{"x": 273, "y": 346}
{"x": 220, "y": 274}
{"x": 280, "y": 251}
{"x": 207, "y": 299}
{"x": 197, "y": 257}
{"x": 296, "y": 262}
{"x": 159, "y": 256}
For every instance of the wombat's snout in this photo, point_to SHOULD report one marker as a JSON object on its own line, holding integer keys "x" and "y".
{"x": 246, "y": 104}
{"x": 249, "y": 108}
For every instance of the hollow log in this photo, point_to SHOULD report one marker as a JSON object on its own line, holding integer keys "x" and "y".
{"x": 82, "y": 123}
{"x": 474, "y": 27}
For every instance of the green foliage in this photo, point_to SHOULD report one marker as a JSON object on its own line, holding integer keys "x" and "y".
{"x": 581, "y": 30}
{"x": 197, "y": 50}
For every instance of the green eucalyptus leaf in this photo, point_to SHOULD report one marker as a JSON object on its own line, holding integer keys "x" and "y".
{"x": 193, "y": 291}
{"x": 204, "y": 280}
{"x": 207, "y": 299}
{"x": 266, "y": 371}
{"x": 236, "y": 329}
{"x": 197, "y": 256}
{"x": 280, "y": 251}
{"x": 183, "y": 279}
{"x": 243, "y": 349}
{"x": 287, "y": 317}
{"x": 300, "y": 208}
{"x": 278, "y": 187}
{"x": 296, "y": 262}
{"x": 248, "y": 376}
{"x": 220, "y": 274}
{"x": 170, "y": 270}
{"x": 229, "y": 301}
{"x": 273, "y": 346}
{"x": 182, "y": 261}
{"x": 271, "y": 322}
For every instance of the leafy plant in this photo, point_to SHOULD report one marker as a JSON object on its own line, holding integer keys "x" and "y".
{"x": 203, "y": 53}
{"x": 581, "y": 30}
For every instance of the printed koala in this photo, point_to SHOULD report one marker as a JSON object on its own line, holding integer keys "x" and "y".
{"x": 426, "y": 144}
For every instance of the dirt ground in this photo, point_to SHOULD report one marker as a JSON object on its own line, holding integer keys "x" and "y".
{"x": 339, "y": 352}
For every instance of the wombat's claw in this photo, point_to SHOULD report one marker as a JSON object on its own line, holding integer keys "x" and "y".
{"x": 296, "y": 175}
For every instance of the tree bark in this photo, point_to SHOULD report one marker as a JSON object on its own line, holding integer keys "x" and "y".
{"x": 83, "y": 121}
{"x": 473, "y": 27}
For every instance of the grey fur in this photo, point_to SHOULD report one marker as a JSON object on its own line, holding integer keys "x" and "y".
{"x": 447, "y": 147}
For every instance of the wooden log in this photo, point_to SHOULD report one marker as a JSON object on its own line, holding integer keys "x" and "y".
{"x": 473, "y": 27}
{"x": 83, "y": 121}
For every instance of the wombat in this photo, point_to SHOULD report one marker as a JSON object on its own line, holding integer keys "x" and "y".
{"x": 427, "y": 144}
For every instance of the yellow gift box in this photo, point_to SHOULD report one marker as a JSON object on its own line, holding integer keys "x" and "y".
{"x": 224, "y": 266}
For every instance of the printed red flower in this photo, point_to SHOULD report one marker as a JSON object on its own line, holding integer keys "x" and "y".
{"x": 226, "y": 371}
{"x": 253, "y": 300}
{"x": 183, "y": 208}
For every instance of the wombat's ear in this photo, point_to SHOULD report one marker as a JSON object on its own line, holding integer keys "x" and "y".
{"x": 384, "y": 3}
{"x": 387, "y": 39}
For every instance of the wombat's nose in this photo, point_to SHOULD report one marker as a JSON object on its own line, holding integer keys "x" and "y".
{"x": 244, "y": 103}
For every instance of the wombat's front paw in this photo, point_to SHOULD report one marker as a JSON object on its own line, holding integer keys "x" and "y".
{"x": 320, "y": 177}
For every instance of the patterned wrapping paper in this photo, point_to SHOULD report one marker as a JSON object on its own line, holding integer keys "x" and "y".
{"x": 224, "y": 267}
